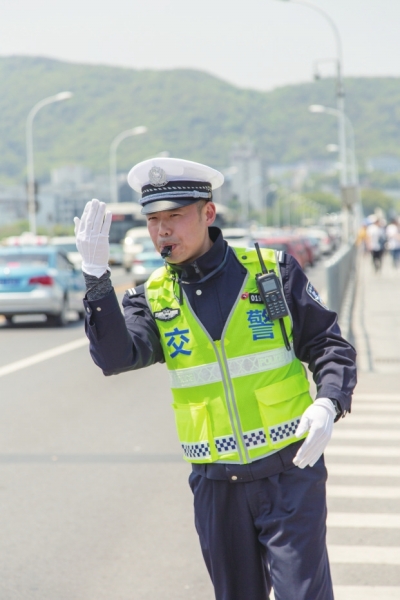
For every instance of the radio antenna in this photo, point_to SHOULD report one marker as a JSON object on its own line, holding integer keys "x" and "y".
{"x": 260, "y": 258}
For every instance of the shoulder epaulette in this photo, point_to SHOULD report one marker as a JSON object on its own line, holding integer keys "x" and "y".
{"x": 135, "y": 291}
{"x": 281, "y": 257}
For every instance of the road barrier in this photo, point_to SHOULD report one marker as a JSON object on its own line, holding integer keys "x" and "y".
{"x": 341, "y": 276}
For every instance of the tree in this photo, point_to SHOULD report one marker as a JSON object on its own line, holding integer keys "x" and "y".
{"x": 372, "y": 198}
{"x": 329, "y": 201}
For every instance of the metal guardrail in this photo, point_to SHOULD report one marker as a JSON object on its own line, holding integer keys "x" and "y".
{"x": 340, "y": 272}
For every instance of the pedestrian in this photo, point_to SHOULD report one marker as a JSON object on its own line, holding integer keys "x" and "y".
{"x": 393, "y": 241}
{"x": 361, "y": 239}
{"x": 244, "y": 415}
{"x": 376, "y": 240}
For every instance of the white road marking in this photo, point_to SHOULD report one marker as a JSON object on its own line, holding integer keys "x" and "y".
{"x": 377, "y": 397}
{"x": 363, "y": 470}
{"x": 349, "y": 433}
{"x": 42, "y": 356}
{"x": 376, "y": 451}
{"x": 357, "y": 418}
{"x": 364, "y": 520}
{"x": 363, "y": 408}
{"x": 364, "y": 592}
{"x": 379, "y": 408}
{"x": 370, "y": 555}
{"x": 353, "y": 592}
{"x": 363, "y": 491}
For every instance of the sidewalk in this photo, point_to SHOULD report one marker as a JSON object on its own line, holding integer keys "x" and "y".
{"x": 364, "y": 480}
{"x": 376, "y": 327}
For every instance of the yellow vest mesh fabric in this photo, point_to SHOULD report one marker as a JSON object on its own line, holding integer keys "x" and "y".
{"x": 237, "y": 399}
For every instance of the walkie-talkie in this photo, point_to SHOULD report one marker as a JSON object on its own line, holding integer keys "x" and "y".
{"x": 270, "y": 289}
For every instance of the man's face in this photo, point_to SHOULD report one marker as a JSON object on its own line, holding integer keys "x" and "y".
{"x": 184, "y": 229}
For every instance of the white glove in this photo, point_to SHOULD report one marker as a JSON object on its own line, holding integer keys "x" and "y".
{"x": 91, "y": 233}
{"x": 318, "y": 420}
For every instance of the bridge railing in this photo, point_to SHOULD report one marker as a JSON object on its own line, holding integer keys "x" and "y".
{"x": 341, "y": 277}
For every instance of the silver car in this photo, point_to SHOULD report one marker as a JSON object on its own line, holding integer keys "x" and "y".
{"x": 39, "y": 280}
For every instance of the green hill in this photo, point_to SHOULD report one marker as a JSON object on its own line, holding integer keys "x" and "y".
{"x": 188, "y": 113}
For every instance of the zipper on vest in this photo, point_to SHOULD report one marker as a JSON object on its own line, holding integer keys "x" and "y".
{"x": 231, "y": 403}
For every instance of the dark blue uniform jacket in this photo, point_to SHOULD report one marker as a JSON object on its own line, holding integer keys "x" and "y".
{"x": 120, "y": 342}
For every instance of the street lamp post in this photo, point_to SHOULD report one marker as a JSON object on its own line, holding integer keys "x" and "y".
{"x": 353, "y": 182}
{"x": 113, "y": 157}
{"x": 319, "y": 108}
{"x": 339, "y": 94}
{"x": 29, "y": 154}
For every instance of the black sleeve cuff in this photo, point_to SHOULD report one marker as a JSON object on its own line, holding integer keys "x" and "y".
{"x": 97, "y": 287}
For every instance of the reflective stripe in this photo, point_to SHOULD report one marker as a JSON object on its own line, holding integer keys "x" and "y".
{"x": 262, "y": 361}
{"x": 238, "y": 367}
{"x": 182, "y": 378}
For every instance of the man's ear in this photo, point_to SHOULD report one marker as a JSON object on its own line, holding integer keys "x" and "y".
{"x": 210, "y": 212}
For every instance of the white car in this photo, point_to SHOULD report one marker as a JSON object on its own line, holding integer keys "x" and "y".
{"x": 326, "y": 243}
{"x": 67, "y": 245}
{"x": 145, "y": 262}
{"x": 238, "y": 237}
{"x": 133, "y": 243}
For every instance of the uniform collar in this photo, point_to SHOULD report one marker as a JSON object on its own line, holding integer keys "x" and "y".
{"x": 205, "y": 264}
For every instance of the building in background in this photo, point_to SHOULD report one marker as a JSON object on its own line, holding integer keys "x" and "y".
{"x": 384, "y": 164}
{"x": 248, "y": 179}
{"x": 13, "y": 204}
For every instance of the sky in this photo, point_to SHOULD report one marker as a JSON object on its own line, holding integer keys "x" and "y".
{"x": 258, "y": 44}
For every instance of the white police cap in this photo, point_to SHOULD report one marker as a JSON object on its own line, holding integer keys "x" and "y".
{"x": 167, "y": 183}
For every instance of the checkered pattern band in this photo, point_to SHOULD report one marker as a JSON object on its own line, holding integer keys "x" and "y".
{"x": 197, "y": 450}
{"x": 283, "y": 431}
{"x": 255, "y": 438}
{"x": 225, "y": 444}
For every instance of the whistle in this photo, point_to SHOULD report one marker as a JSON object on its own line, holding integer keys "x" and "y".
{"x": 166, "y": 251}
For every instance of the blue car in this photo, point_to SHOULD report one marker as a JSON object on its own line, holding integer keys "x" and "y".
{"x": 145, "y": 263}
{"x": 39, "y": 280}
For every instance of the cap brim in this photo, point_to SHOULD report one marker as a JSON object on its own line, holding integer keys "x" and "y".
{"x": 160, "y": 205}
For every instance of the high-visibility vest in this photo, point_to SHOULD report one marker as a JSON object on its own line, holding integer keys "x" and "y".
{"x": 237, "y": 399}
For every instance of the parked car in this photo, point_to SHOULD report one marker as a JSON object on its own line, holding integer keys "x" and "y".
{"x": 326, "y": 243}
{"x": 133, "y": 244}
{"x": 146, "y": 262}
{"x": 116, "y": 254}
{"x": 238, "y": 237}
{"x": 289, "y": 244}
{"x": 309, "y": 250}
{"x": 39, "y": 280}
{"x": 315, "y": 244}
{"x": 26, "y": 238}
{"x": 67, "y": 245}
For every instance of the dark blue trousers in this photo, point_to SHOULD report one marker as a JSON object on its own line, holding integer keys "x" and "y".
{"x": 269, "y": 530}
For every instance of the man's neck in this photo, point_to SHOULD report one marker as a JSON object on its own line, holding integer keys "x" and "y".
{"x": 207, "y": 262}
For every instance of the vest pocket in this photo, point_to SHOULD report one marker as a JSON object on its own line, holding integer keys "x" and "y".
{"x": 281, "y": 406}
{"x": 194, "y": 431}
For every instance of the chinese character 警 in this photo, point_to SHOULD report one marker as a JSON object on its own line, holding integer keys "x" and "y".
{"x": 261, "y": 326}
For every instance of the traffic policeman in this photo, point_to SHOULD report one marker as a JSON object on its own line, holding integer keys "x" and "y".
{"x": 244, "y": 415}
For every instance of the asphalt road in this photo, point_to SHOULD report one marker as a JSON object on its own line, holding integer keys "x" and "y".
{"x": 94, "y": 501}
